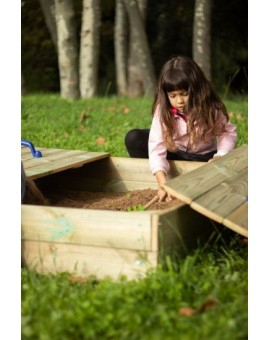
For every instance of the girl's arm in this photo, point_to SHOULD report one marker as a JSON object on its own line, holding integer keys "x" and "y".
{"x": 161, "y": 179}
{"x": 156, "y": 147}
{"x": 158, "y": 156}
{"x": 227, "y": 140}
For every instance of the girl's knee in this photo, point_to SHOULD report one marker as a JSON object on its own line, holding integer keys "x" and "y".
{"x": 132, "y": 137}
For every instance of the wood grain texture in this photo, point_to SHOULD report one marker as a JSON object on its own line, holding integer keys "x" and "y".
{"x": 113, "y": 229}
{"x": 219, "y": 202}
{"x": 57, "y": 160}
{"x": 197, "y": 182}
{"x": 181, "y": 230}
{"x": 217, "y": 189}
{"x": 26, "y": 154}
{"x": 238, "y": 220}
{"x": 83, "y": 261}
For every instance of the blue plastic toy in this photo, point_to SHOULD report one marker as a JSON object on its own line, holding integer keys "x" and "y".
{"x": 30, "y": 145}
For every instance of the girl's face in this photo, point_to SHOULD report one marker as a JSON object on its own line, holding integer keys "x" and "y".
{"x": 178, "y": 99}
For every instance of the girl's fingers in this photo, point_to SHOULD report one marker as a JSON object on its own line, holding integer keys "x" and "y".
{"x": 163, "y": 196}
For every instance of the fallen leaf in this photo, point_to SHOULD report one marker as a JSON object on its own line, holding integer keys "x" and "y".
{"x": 210, "y": 303}
{"x": 100, "y": 140}
{"x": 187, "y": 311}
{"x": 126, "y": 110}
{"x": 230, "y": 114}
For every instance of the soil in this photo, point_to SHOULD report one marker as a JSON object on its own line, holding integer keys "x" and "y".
{"x": 119, "y": 201}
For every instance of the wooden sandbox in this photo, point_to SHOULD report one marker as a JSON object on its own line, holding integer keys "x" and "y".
{"x": 103, "y": 243}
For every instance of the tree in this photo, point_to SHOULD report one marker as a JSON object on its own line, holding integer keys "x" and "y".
{"x": 202, "y": 35}
{"x": 121, "y": 47}
{"x": 89, "y": 48}
{"x": 48, "y": 9}
{"x": 67, "y": 49}
{"x": 140, "y": 71}
{"x": 135, "y": 74}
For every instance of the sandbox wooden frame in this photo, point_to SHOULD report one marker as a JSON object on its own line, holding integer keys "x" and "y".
{"x": 106, "y": 243}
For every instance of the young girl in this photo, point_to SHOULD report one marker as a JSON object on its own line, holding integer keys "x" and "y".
{"x": 190, "y": 122}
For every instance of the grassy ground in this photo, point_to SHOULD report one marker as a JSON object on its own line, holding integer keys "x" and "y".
{"x": 204, "y": 296}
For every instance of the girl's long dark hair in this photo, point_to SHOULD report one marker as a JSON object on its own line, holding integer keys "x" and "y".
{"x": 202, "y": 108}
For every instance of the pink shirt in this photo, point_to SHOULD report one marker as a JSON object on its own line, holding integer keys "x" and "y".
{"x": 158, "y": 151}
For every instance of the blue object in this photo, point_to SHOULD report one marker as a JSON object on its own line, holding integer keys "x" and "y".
{"x": 30, "y": 145}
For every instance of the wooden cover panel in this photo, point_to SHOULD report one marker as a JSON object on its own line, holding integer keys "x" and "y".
{"x": 217, "y": 189}
{"x": 56, "y": 160}
{"x": 239, "y": 217}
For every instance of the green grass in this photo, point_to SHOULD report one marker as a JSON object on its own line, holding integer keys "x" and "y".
{"x": 50, "y": 121}
{"x": 56, "y": 307}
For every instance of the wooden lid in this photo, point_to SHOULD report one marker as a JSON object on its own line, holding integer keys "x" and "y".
{"x": 56, "y": 160}
{"x": 218, "y": 190}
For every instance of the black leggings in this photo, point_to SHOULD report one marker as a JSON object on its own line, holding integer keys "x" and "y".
{"x": 136, "y": 142}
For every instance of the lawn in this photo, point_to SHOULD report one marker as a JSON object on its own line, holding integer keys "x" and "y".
{"x": 203, "y": 296}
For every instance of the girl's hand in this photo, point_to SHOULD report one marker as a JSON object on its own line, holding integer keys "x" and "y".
{"x": 161, "y": 179}
{"x": 163, "y": 196}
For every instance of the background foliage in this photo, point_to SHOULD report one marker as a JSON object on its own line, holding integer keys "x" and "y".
{"x": 169, "y": 31}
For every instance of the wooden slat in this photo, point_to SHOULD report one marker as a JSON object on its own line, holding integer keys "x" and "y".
{"x": 217, "y": 190}
{"x": 50, "y": 157}
{"x": 83, "y": 261}
{"x": 238, "y": 220}
{"x": 28, "y": 160}
{"x": 26, "y": 153}
{"x": 56, "y": 162}
{"x": 133, "y": 169}
{"x": 219, "y": 202}
{"x": 116, "y": 229}
{"x": 181, "y": 230}
{"x": 98, "y": 184}
{"x": 195, "y": 183}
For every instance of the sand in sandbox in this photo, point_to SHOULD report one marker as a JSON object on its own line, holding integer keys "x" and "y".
{"x": 108, "y": 200}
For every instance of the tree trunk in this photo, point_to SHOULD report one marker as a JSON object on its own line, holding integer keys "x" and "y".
{"x": 89, "y": 50}
{"x": 67, "y": 49}
{"x": 140, "y": 44}
{"x": 48, "y": 9}
{"x": 120, "y": 47}
{"x": 201, "y": 35}
{"x": 135, "y": 76}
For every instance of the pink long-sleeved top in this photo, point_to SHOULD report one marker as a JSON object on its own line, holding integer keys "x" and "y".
{"x": 158, "y": 152}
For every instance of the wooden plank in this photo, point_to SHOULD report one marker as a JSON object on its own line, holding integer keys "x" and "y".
{"x": 195, "y": 183}
{"x": 98, "y": 184}
{"x": 29, "y": 161}
{"x": 72, "y": 158}
{"x": 154, "y": 232}
{"x": 83, "y": 261}
{"x": 115, "y": 174}
{"x": 217, "y": 190}
{"x": 238, "y": 220}
{"x": 219, "y": 202}
{"x": 116, "y": 229}
{"x": 181, "y": 230}
{"x": 26, "y": 152}
{"x": 50, "y": 157}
